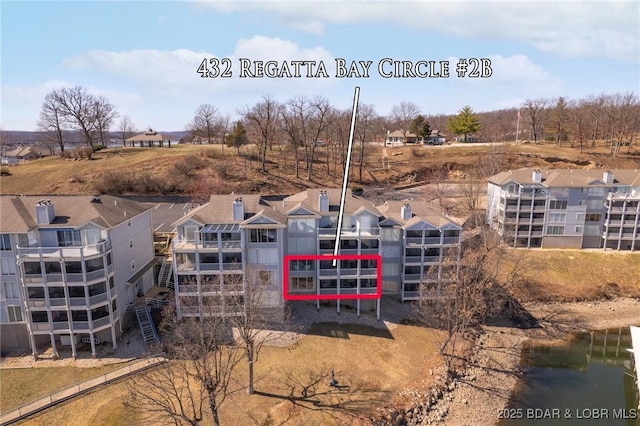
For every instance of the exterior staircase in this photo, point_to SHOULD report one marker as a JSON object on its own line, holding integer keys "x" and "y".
{"x": 165, "y": 275}
{"x": 145, "y": 322}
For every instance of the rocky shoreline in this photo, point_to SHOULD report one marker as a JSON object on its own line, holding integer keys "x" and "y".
{"x": 493, "y": 370}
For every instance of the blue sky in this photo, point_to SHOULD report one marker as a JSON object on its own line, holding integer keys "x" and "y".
{"x": 143, "y": 55}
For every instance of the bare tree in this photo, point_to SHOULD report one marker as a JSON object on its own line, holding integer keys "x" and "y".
{"x": 317, "y": 119}
{"x": 203, "y": 357}
{"x": 262, "y": 118}
{"x": 364, "y": 129}
{"x": 261, "y": 315}
{"x": 52, "y": 120}
{"x": 403, "y": 114}
{"x": 104, "y": 116}
{"x": 126, "y": 129}
{"x": 557, "y": 119}
{"x": 596, "y": 106}
{"x": 579, "y": 118}
{"x": 625, "y": 113}
{"x": 203, "y": 124}
{"x": 76, "y": 104}
{"x": 535, "y": 116}
{"x": 291, "y": 125}
{"x": 470, "y": 292}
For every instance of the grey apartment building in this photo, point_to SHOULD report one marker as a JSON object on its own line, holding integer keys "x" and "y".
{"x": 218, "y": 242}
{"x": 70, "y": 266}
{"x": 566, "y": 208}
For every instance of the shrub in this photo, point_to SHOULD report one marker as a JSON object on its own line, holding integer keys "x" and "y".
{"x": 4, "y": 171}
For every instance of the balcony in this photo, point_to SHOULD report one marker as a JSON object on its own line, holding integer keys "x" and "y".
{"x": 96, "y": 275}
{"x": 209, "y": 266}
{"x": 65, "y": 252}
{"x": 348, "y": 232}
{"x": 101, "y": 322}
{"x": 349, "y": 272}
{"x": 98, "y": 298}
{"x": 328, "y": 272}
{"x": 186, "y": 288}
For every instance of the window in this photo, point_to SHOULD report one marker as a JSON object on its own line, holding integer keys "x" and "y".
{"x": 555, "y": 230}
{"x": 327, "y": 244}
{"x": 348, "y": 244}
{"x": 596, "y": 191}
{"x": 302, "y": 245}
{"x": 369, "y": 244}
{"x": 52, "y": 267}
{"x": 5, "y": 242}
{"x": 15, "y": 313}
{"x": 38, "y": 316}
{"x": 580, "y": 217}
{"x": 557, "y": 217}
{"x": 578, "y": 230}
{"x": 35, "y": 292}
{"x": 73, "y": 267}
{"x": 93, "y": 265}
{"x": 10, "y": 290}
{"x": 7, "y": 266}
{"x": 328, "y": 284}
{"x": 32, "y": 268}
{"x": 130, "y": 244}
{"x": 302, "y": 265}
{"x": 302, "y": 284}
{"x": 69, "y": 238}
{"x": 558, "y": 204}
{"x": 263, "y": 235}
{"x": 593, "y": 217}
{"x": 302, "y": 225}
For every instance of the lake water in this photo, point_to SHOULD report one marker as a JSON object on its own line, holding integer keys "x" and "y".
{"x": 587, "y": 380}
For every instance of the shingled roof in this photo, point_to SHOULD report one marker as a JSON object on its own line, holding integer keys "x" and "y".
{"x": 18, "y": 212}
{"x": 551, "y": 178}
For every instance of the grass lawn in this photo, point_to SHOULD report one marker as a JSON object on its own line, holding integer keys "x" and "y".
{"x": 372, "y": 364}
{"x": 557, "y": 275}
{"x": 21, "y": 385}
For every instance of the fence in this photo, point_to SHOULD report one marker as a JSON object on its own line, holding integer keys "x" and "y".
{"x": 77, "y": 389}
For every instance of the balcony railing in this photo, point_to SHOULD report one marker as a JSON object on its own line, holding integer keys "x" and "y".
{"x": 98, "y": 298}
{"x": 349, "y": 232}
{"x": 100, "y": 322}
{"x": 187, "y": 288}
{"x": 368, "y": 272}
{"x": 328, "y": 272}
{"x": 65, "y": 252}
{"x": 209, "y": 266}
{"x": 96, "y": 275}
{"x": 412, "y": 259}
{"x": 349, "y": 272}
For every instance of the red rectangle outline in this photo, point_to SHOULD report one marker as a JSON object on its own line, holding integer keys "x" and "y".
{"x": 285, "y": 286}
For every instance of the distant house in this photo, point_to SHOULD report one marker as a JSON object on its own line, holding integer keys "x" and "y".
{"x": 19, "y": 155}
{"x": 150, "y": 138}
{"x": 399, "y": 137}
{"x": 470, "y": 139}
{"x": 436, "y": 138}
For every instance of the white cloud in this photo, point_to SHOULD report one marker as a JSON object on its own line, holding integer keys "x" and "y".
{"x": 175, "y": 71}
{"x": 572, "y": 28}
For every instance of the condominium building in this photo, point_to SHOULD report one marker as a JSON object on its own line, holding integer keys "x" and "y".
{"x": 217, "y": 243}
{"x": 70, "y": 266}
{"x": 566, "y": 208}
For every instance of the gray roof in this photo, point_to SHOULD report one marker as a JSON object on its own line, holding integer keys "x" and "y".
{"x": 219, "y": 208}
{"x": 555, "y": 178}
{"x": 420, "y": 211}
{"x": 19, "y": 212}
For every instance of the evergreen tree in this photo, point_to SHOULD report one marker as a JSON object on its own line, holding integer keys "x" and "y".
{"x": 237, "y": 137}
{"x": 466, "y": 122}
{"x": 420, "y": 127}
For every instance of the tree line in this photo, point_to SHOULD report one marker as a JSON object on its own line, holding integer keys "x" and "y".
{"x": 302, "y": 124}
